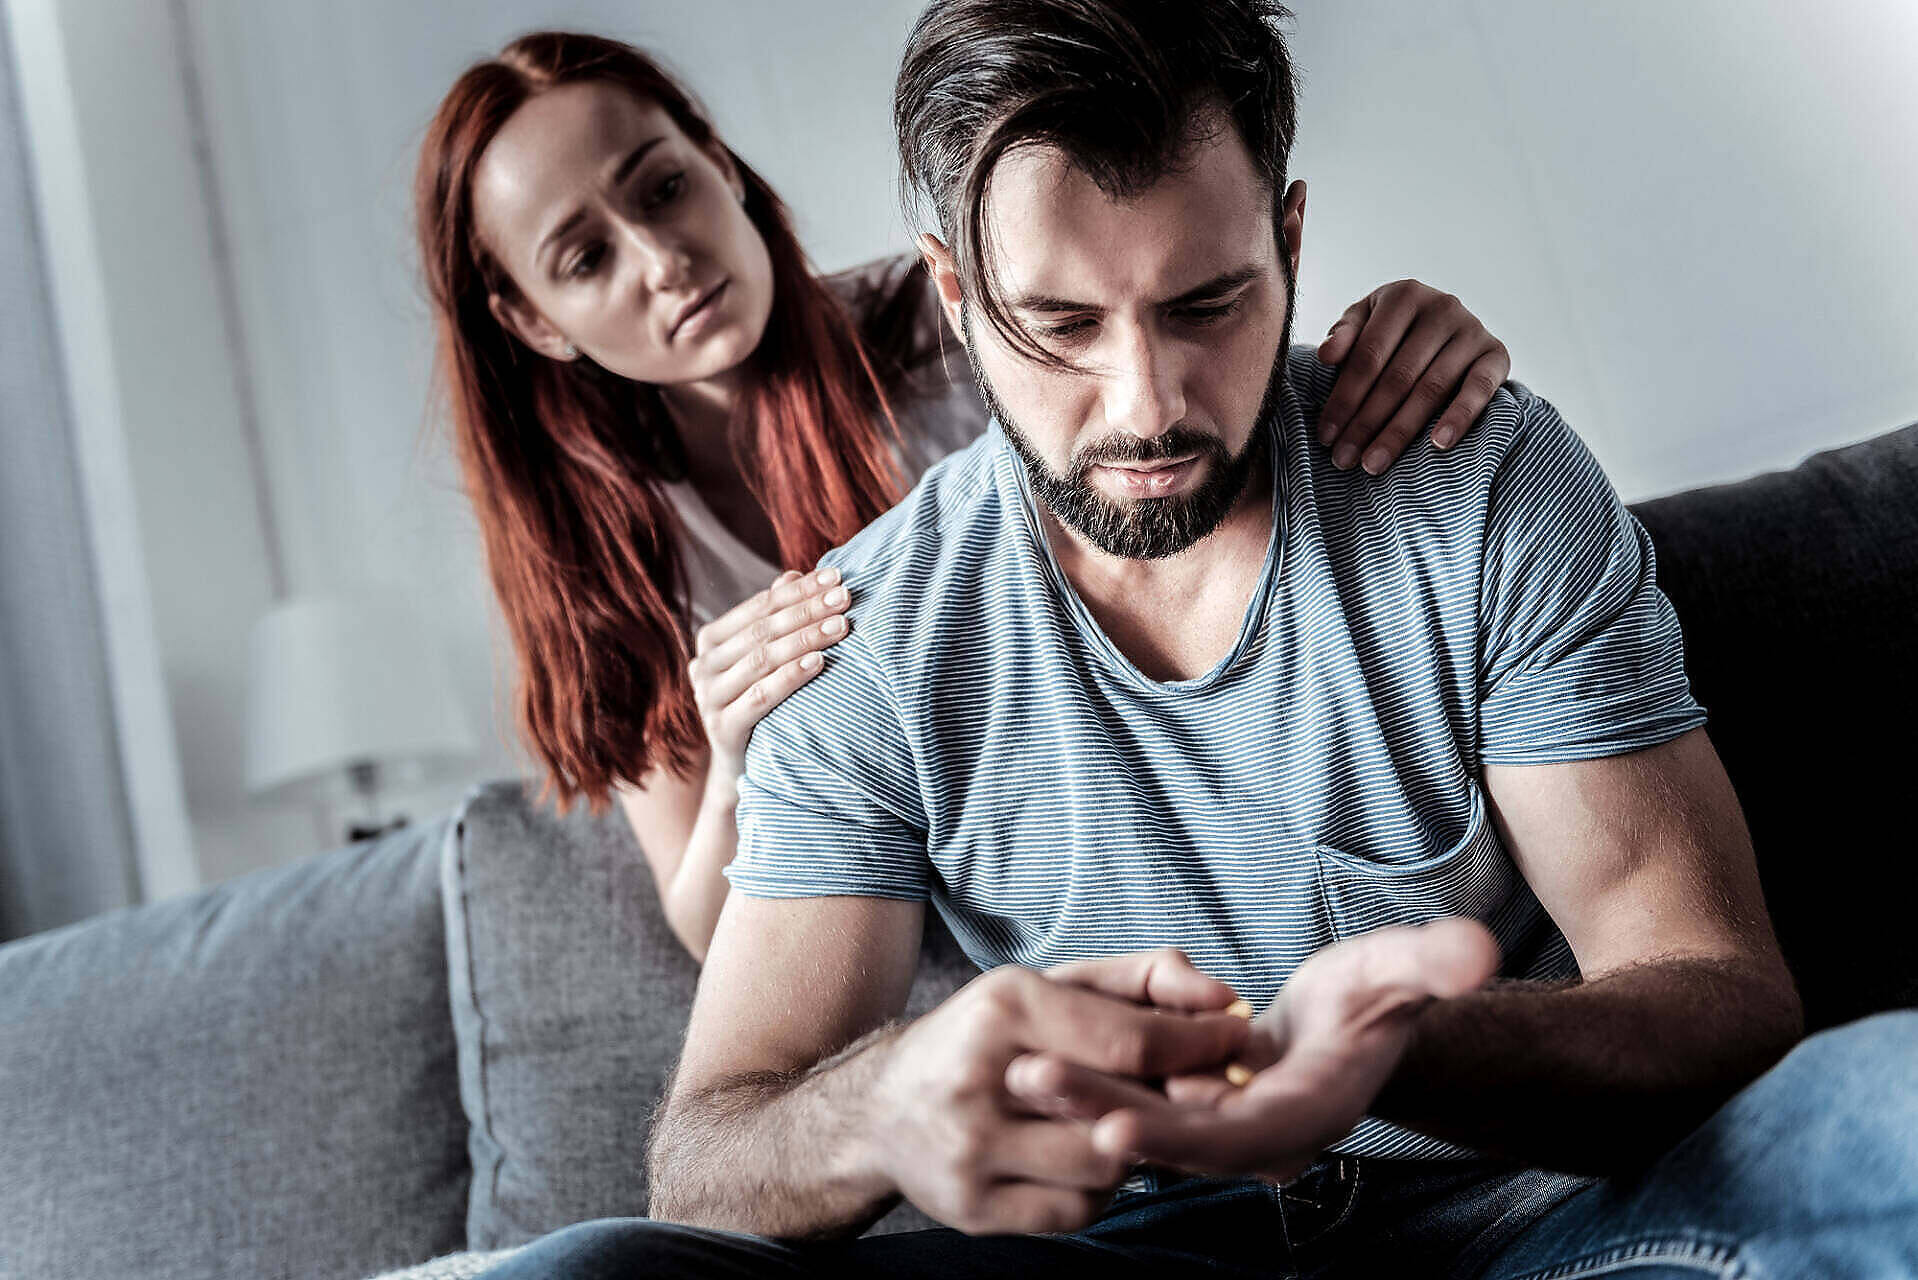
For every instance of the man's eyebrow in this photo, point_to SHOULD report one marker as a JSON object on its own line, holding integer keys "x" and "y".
{"x": 620, "y": 175}
{"x": 1224, "y": 282}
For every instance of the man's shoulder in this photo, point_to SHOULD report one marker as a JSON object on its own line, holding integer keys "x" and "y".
{"x": 1516, "y": 420}
{"x": 951, "y": 521}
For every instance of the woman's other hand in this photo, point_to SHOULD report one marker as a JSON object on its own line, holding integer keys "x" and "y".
{"x": 1404, "y": 351}
{"x": 750, "y": 659}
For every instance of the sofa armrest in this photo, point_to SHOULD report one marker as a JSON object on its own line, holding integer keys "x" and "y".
{"x": 255, "y": 1080}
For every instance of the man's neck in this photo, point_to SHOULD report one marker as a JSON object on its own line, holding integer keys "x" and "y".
{"x": 1175, "y": 618}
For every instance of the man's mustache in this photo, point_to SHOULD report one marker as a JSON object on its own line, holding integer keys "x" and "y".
{"x": 1122, "y": 448}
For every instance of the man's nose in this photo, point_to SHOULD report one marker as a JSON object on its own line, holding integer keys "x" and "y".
{"x": 1145, "y": 388}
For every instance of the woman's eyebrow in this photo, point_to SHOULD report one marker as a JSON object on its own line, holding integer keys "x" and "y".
{"x": 619, "y": 175}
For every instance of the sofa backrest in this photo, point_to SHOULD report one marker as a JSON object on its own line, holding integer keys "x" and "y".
{"x": 570, "y": 1000}
{"x": 254, "y": 1081}
{"x": 1798, "y": 596}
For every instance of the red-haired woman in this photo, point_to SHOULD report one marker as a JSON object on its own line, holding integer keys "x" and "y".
{"x": 659, "y": 407}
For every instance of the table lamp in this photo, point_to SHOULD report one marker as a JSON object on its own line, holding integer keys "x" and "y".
{"x": 349, "y": 689}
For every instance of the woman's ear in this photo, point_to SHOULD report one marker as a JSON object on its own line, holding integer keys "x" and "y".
{"x": 945, "y": 278}
{"x": 522, "y": 319}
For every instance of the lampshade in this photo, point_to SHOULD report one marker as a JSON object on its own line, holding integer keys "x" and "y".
{"x": 337, "y": 681}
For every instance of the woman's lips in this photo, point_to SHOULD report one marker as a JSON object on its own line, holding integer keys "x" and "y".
{"x": 698, "y": 317}
{"x": 1157, "y": 480}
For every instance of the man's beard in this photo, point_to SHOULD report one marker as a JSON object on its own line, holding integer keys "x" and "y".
{"x": 1149, "y": 528}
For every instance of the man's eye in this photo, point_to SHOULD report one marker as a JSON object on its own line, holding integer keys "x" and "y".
{"x": 1209, "y": 314}
{"x": 667, "y": 191}
{"x": 1067, "y": 329}
{"x": 585, "y": 262}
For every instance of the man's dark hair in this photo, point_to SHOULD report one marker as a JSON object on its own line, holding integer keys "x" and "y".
{"x": 1119, "y": 86}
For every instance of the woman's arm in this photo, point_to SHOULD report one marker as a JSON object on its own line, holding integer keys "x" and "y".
{"x": 746, "y": 663}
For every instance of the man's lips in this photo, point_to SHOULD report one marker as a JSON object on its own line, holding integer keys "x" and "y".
{"x": 1148, "y": 479}
{"x": 694, "y": 309}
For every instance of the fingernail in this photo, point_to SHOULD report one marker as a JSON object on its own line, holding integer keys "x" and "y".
{"x": 828, "y": 576}
{"x": 811, "y": 662}
{"x": 834, "y": 625}
{"x": 1444, "y": 439}
{"x": 1344, "y": 456}
{"x": 1376, "y": 462}
{"x": 836, "y": 596}
{"x": 1328, "y": 432}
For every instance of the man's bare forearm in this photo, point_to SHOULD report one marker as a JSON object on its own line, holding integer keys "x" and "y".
{"x": 789, "y": 1155}
{"x": 1592, "y": 1077}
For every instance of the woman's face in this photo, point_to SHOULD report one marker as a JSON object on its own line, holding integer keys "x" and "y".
{"x": 625, "y": 240}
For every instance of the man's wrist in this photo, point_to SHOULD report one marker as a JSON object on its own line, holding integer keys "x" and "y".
{"x": 864, "y": 1066}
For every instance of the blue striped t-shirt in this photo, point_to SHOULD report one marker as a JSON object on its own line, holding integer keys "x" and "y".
{"x": 977, "y": 741}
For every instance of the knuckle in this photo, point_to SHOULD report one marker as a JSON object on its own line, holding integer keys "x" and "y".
{"x": 762, "y": 630}
{"x": 1126, "y": 1050}
{"x": 1434, "y": 387}
{"x": 1370, "y": 353}
{"x": 1397, "y": 379}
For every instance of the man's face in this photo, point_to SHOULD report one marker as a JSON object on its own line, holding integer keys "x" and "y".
{"x": 1174, "y": 308}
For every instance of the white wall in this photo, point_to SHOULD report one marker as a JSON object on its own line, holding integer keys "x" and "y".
{"x": 1689, "y": 223}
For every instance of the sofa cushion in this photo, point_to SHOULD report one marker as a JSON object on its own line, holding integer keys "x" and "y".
{"x": 1798, "y": 596}
{"x": 255, "y": 1080}
{"x": 570, "y": 1000}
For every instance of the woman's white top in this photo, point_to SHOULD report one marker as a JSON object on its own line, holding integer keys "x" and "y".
{"x": 938, "y": 410}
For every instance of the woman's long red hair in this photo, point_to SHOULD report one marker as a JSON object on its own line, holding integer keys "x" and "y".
{"x": 562, "y": 460}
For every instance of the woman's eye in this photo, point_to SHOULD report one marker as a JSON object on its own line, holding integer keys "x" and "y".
{"x": 668, "y": 191}
{"x": 585, "y": 262}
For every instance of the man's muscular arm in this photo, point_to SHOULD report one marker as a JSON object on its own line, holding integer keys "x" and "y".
{"x": 1644, "y": 862}
{"x": 765, "y": 1126}
{"x": 799, "y": 1111}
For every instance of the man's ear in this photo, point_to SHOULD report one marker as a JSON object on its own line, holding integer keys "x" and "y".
{"x": 522, "y": 319}
{"x": 945, "y": 278}
{"x": 1292, "y": 223}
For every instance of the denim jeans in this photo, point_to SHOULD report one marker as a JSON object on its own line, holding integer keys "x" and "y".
{"x": 1811, "y": 1171}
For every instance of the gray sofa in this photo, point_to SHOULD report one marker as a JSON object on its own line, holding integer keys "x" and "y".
{"x": 452, "y": 1038}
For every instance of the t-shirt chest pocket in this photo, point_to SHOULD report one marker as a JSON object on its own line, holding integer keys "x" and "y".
{"x": 1472, "y": 877}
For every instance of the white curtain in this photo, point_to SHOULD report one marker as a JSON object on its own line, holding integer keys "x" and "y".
{"x": 66, "y": 835}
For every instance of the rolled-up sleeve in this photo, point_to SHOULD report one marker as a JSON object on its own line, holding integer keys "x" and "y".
{"x": 1580, "y": 652}
{"x": 829, "y": 804}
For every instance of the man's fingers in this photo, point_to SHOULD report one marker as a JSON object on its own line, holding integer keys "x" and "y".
{"x": 1050, "y": 1152}
{"x": 1030, "y": 1208}
{"x": 1051, "y": 1085}
{"x": 1114, "y": 1034}
{"x": 1164, "y": 978}
{"x": 1206, "y": 1090}
{"x": 1198, "y": 1140}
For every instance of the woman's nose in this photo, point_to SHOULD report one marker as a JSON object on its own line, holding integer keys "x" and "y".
{"x": 665, "y": 262}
